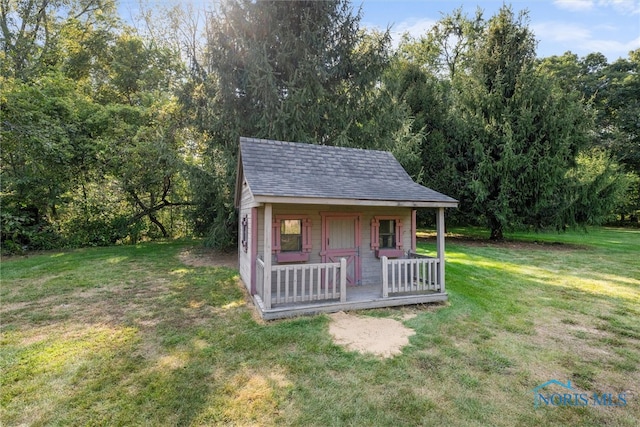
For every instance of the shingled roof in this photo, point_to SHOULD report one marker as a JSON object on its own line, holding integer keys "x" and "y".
{"x": 277, "y": 170}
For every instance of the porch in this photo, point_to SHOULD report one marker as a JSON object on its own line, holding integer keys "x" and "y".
{"x": 298, "y": 289}
{"x": 327, "y": 228}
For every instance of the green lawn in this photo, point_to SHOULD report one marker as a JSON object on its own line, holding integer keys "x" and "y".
{"x": 130, "y": 335}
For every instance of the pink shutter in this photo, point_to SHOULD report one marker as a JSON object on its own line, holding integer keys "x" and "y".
{"x": 275, "y": 238}
{"x": 375, "y": 236}
{"x": 245, "y": 233}
{"x": 306, "y": 235}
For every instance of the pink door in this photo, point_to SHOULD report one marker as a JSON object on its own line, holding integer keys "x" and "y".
{"x": 341, "y": 239}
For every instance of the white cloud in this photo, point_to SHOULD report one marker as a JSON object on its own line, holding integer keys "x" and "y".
{"x": 414, "y": 27}
{"x": 575, "y": 5}
{"x": 606, "y": 27}
{"x": 613, "y": 47}
{"x": 581, "y": 40}
{"x": 622, "y": 6}
{"x": 561, "y": 32}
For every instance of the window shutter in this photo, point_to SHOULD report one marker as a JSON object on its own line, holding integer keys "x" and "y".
{"x": 275, "y": 237}
{"x": 245, "y": 233}
{"x": 306, "y": 235}
{"x": 375, "y": 230}
{"x": 398, "y": 233}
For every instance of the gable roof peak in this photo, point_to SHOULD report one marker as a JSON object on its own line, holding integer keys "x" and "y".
{"x": 302, "y": 170}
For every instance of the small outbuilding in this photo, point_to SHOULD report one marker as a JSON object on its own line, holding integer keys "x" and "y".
{"x": 324, "y": 229}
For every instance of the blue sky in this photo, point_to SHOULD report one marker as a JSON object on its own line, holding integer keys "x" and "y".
{"x": 611, "y": 27}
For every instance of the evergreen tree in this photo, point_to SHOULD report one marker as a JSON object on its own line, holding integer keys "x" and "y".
{"x": 519, "y": 134}
{"x": 296, "y": 71}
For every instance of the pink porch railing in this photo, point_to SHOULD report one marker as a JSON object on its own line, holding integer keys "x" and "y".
{"x": 418, "y": 273}
{"x": 292, "y": 283}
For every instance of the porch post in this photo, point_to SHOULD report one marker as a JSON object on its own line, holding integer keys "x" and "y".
{"x": 440, "y": 247}
{"x": 268, "y": 218}
{"x": 414, "y": 230}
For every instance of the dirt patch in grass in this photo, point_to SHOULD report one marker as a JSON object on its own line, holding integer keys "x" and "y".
{"x": 380, "y": 336}
{"x": 207, "y": 257}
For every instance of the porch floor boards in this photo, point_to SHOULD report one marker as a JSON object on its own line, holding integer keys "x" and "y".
{"x": 358, "y": 298}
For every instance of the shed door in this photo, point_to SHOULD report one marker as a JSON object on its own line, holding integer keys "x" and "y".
{"x": 341, "y": 239}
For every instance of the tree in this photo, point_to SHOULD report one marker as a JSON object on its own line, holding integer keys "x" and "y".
{"x": 613, "y": 91}
{"x": 144, "y": 119}
{"x": 48, "y": 148}
{"x": 520, "y": 132}
{"x": 33, "y": 32}
{"x": 447, "y": 47}
{"x": 620, "y": 100}
{"x": 595, "y": 187}
{"x": 91, "y": 134}
{"x": 291, "y": 70}
{"x": 300, "y": 71}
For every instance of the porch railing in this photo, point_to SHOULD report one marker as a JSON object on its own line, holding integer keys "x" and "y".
{"x": 292, "y": 283}
{"x": 418, "y": 273}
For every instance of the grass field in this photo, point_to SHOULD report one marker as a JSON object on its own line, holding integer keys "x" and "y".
{"x": 132, "y": 335}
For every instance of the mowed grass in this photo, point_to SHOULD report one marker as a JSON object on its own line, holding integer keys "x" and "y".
{"x": 131, "y": 335}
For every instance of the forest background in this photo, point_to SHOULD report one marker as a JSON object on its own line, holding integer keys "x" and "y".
{"x": 117, "y": 131}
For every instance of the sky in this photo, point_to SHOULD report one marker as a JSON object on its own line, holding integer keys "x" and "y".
{"x": 611, "y": 27}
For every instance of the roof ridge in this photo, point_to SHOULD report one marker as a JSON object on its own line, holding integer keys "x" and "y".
{"x": 310, "y": 144}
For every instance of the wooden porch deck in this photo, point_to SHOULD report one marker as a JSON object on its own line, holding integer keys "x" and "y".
{"x": 358, "y": 298}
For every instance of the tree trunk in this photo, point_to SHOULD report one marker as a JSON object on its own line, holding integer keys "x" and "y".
{"x": 496, "y": 230}
{"x": 159, "y": 224}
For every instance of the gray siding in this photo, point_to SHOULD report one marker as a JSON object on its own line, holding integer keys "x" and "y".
{"x": 371, "y": 266}
{"x": 244, "y": 258}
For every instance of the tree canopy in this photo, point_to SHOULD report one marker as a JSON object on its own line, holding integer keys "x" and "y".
{"x": 114, "y": 131}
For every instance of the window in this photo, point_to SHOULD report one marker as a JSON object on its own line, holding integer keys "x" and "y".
{"x": 387, "y": 234}
{"x": 245, "y": 233}
{"x": 291, "y": 235}
{"x": 291, "y": 238}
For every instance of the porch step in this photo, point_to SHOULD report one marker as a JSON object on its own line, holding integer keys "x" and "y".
{"x": 352, "y": 303}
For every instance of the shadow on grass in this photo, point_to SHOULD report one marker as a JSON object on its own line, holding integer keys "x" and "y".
{"x": 505, "y": 289}
{"x": 170, "y": 344}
